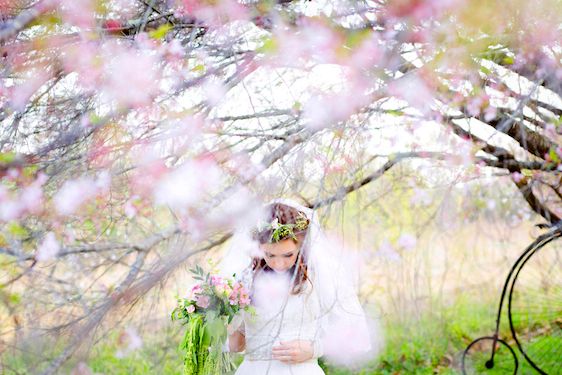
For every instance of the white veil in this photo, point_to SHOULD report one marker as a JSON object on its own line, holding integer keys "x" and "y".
{"x": 345, "y": 335}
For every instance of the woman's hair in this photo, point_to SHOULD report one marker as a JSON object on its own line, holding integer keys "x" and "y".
{"x": 284, "y": 215}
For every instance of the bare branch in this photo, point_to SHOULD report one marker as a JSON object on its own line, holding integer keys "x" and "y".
{"x": 11, "y": 28}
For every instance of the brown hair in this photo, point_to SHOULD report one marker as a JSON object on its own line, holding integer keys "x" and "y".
{"x": 285, "y": 215}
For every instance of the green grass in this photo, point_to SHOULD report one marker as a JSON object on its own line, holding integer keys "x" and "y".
{"x": 432, "y": 344}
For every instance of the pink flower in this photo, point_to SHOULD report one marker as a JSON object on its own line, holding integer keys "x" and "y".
{"x": 516, "y": 176}
{"x": 203, "y": 301}
{"x": 414, "y": 90}
{"x": 76, "y": 192}
{"x": 216, "y": 280}
{"x": 180, "y": 188}
{"x": 34, "y": 79}
{"x": 190, "y": 309}
{"x": 195, "y": 290}
{"x": 244, "y": 299}
{"x": 79, "y": 13}
{"x": 119, "y": 85}
{"x": 48, "y": 249}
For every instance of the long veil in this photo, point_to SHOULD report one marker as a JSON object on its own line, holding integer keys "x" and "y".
{"x": 346, "y": 334}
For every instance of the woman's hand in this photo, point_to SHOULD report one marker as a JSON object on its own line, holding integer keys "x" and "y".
{"x": 294, "y": 351}
{"x": 236, "y": 341}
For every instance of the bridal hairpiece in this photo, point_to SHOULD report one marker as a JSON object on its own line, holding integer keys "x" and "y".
{"x": 280, "y": 231}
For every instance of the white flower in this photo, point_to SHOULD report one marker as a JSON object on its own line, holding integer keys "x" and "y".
{"x": 275, "y": 223}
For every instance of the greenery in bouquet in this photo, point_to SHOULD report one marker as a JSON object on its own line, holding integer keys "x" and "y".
{"x": 209, "y": 307}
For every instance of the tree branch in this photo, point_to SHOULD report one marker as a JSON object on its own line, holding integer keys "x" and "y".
{"x": 23, "y": 19}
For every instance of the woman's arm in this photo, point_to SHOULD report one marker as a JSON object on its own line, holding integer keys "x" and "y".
{"x": 237, "y": 341}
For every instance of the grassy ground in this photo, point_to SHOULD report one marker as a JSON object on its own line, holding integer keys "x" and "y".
{"x": 432, "y": 344}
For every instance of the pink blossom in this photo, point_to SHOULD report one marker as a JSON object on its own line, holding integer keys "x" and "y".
{"x": 31, "y": 198}
{"x": 203, "y": 301}
{"x": 3, "y": 193}
{"x": 10, "y": 210}
{"x": 79, "y": 12}
{"x": 325, "y": 110}
{"x": 130, "y": 90}
{"x": 490, "y": 113}
{"x": 474, "y": 105}
{"x": 218, "y": 14}
{"x": 517, "y": 177}
{"x": 313, "y": 40}
{"x": 190, "y": 309}
{"x": 125, "y": 8}
{"x": 270, "y": 290}
{"x": 73, "y": 194}
{"x": 240, "y": 210}
{"x": 23, "y": 91}
{"x": 149, "y": 172}
{"x": 185, "y": 185}
{"x": 414, "y": 90}
{"x": 129, "y": 208}
{"x": 84, "y": 59}
{"x": 214, "y": 91}
{"x": 48, "y": 249}
{"x": 357, "y": 336}
{"x": 418, "y": 10}
{"x": 550, "y": 130}
{"x": 367, "y": 54}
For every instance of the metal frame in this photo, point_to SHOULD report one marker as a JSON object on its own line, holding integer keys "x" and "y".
{"x": 554, "y": 233}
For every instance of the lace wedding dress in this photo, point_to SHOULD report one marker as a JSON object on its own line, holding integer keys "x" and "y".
{"x": 279, "y": 316}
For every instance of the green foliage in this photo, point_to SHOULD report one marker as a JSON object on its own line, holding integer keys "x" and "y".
{"x": 161, "y": 31}
{"x": 206, "y": 325}
{"x": 269, "y": 46}
{"x": 282, "y": 231}
{"x": 16, "y": 230}
{"x": 7, "y": 157}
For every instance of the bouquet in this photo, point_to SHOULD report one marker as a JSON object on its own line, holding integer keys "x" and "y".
{"x": 208, "y": 308}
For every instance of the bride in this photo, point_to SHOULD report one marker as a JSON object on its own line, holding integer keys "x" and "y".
{"x": 304, "y": 301}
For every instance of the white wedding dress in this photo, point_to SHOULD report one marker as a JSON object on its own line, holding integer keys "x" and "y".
{"x": 279, "y": 316}
{"x": 327, "y": 312}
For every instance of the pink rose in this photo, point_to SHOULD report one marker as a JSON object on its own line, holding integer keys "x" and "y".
{"x": 244, "y": 299}
{"x": 195, "y": 289}
{"x": 203, "y": 301}
{"x": 216, "y": 280}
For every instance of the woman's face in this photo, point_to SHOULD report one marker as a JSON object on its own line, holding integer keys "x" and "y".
{"x": 280, "y": 256}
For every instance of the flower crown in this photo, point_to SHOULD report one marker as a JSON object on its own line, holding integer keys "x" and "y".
{"x": 283, "y": 231}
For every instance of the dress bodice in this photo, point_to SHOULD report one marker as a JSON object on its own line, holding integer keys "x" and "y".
{"x": 279, "y": 315}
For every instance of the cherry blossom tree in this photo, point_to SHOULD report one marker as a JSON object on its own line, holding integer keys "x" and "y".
{"x": 138, "y": 134}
